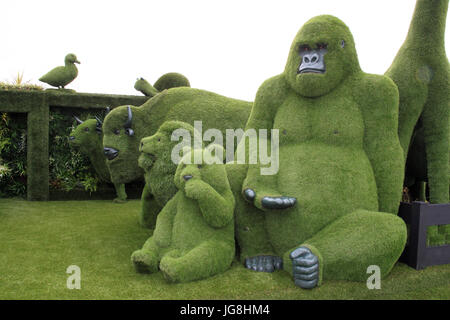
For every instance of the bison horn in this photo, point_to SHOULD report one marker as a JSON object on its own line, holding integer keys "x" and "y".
{"x": 130, "y": 118}
{"x": 78, "y": 120}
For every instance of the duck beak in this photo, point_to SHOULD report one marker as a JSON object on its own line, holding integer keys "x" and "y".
{"x": 76, "y": 61}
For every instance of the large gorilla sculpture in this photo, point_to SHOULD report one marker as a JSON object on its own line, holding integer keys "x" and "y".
{"x": 330, "y": 211}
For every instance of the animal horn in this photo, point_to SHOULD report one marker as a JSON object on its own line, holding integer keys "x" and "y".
{"x": 99, "y": 122}
{"x": 130, "y": 118}
{"x": 78, "y": 120}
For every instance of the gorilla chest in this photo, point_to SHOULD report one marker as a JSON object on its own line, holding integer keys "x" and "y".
{"x": 334, "y": 119}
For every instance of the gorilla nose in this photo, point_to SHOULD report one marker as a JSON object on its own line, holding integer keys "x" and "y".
{"x": 187, "y": 177}
{"x": 311, "y": 58}
{"x": 71, "y": 138}
{"x": 110, "y": 153}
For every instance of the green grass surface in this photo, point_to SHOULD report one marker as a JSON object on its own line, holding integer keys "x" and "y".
{"x": 39, "y": 240}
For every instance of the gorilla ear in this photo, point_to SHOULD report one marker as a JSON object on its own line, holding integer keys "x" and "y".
{"x": 214, "y": 153}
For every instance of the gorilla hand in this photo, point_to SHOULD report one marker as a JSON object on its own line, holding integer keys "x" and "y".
{"x": 305, "y": 268}
{"x": 267, "y": 202}
{"x": 264, "y": 263}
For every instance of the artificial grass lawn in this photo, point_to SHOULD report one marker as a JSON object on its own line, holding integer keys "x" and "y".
{"x": 39, "y": 240}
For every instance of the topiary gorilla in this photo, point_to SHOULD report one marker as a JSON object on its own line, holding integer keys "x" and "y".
{"x": 87, "y": 136}
{"x": 330, "y": 211}
{"x": 194, "y": 234}
{"x": 421, "y": 72}
{"x": 166, "y": 81}
{"x": 125, "y": 126}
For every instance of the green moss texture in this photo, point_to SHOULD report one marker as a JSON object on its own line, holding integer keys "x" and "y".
{"x": 177, "y": 104}
{"x": 166, "y": 81}
{"x": 88, "y": 137}
{"x": 421, "y": 71}
{"x": 61, "y": 76}
{"x": 194, "y": 234}
{"x": 339, "y": 156}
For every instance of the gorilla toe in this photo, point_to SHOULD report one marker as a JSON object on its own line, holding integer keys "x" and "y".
{"x": 264, "y": 263}
{"x": 278, "y": 202}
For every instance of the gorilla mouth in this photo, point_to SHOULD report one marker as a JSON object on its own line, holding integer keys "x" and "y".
{"x": 311, "y": 70}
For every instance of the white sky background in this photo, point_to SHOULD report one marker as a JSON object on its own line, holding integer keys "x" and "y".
{"x": 228, "y": 47}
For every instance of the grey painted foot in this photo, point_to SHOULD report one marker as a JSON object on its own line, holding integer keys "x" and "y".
{"x": 278, "y": 202}
{"x": 305, "y": 268}
{"x": 264, "y": 263}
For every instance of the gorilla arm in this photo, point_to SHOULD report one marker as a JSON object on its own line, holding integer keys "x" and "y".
{"x": 378, "y": 98}
{"x": 259, "y": 189}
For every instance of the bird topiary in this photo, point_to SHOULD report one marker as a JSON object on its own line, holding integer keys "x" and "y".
{"x": 125, "y": 126}
{"x": 194, "y": 234}
{"x": 87, "y": 136}
{"x": 421, "y": 71}
{"x": 330, "y": 210}
{"x": 61, "y": 76}
{"x": 166, "y": 81}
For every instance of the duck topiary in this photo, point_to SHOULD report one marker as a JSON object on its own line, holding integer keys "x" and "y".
{"x": 61, "y": 76}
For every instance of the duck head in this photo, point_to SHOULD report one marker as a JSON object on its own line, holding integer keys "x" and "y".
{"x": 71, "y": 58}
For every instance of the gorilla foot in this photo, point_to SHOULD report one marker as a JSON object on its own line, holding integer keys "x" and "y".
{"x": 119, "y": 200}
{"x": 305, "y": 268}
{"x": 264, "y": 263}
{"x": 278, "y": 202}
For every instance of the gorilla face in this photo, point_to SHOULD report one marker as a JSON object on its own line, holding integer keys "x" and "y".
{"x": 321, "y": 57}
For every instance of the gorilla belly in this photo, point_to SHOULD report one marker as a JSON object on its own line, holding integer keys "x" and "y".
{"x": 328, "y": 182}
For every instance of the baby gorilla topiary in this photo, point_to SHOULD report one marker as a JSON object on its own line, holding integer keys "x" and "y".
{"x": 329, "y": 212}
{"x": 87, "y": 136}
{"x": 194, "y": 234}
{"x": 156, "y": 160}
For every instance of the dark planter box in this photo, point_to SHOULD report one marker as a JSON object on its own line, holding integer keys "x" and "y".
{"x": 419, "y": 216}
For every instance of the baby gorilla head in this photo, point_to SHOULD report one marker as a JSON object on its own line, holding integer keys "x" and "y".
{"x": 322, "y": 55}
{"x": 201, "y": 164}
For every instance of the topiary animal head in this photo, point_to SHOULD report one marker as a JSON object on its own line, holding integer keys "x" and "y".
{"x": 160, "y": 146}
{"x": 205, "y": 165}
{"x": 322, "y": 55}
{"x": 123, "y": 129}
{"x": 71, "y": 58}
{"x": 87, "y": 135}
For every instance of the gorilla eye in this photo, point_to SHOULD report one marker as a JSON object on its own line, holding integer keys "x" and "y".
{"x": 321, "y": 46}
{"x": 304, "y": 48}
{"x": 199, "y": 166}
{"x": 116, "y": 132}
{"x": 159, "y": 139}
{"x": 86, "y": 129}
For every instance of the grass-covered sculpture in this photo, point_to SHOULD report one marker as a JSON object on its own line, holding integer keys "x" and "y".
{"x": 87, "y": 136}
{"x": 61, "y": 76}
{"x": 125, "y": 126}
{"x": 166, "y": 81}
{"x": 330, "y": 210}
{"x": 422, "y": 73}
{"x": 194, "y": 234}
{"x": 156, "y": 160}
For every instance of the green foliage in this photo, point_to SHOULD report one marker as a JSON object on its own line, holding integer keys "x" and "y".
{"x": 68, "y": 168}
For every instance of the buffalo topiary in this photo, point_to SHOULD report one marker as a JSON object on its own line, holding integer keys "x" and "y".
{"x": 194, "y": 234}
{"x": 125, "y": 126}
{"x": 421, "y": 72}
{"x": 330, "y": 211}
{"x": 87, "y": 136}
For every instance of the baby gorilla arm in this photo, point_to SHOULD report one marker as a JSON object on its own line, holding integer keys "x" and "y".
{"x": 216, "y": 209}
